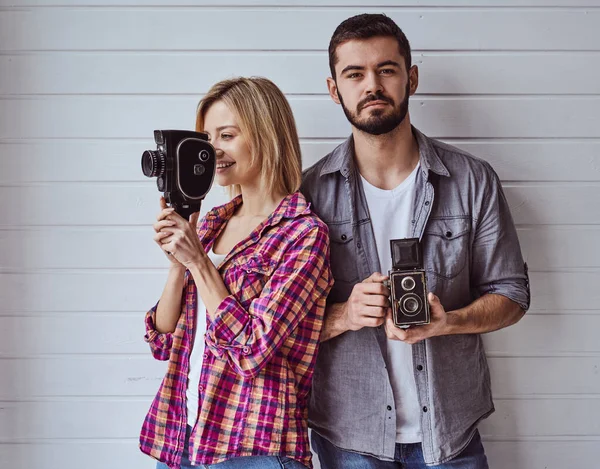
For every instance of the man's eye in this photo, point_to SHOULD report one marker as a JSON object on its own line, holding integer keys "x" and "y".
{"x": 353, "y": 75}
{"x": 387, "y": 71}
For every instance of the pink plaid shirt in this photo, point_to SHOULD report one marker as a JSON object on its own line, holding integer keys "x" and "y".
{"x": 260, "y": 349}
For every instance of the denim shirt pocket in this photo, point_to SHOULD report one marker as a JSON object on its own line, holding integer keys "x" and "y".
{"x": 342, "y": 252}
{"x": 446, "y": 246}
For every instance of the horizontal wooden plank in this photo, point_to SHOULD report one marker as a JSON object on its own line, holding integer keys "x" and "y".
{"x": 72, "y": 418}
{"x": 116, "y": 418}
{"x": 545, "y": 248}
{"x": 53, "y": 334}
{"x": 116, "y": 160}
{"x": 136, "y": 204}
{"x": 551, "y": 334}
{"x": 314, "y": 3}
{"x": 514, "y": 377}
{"x": 55, "y": 454}
{"x": 564, "y": 291}
{"x": 285, "y": 29}
{"x": 534, "y": 335}
{"x": 74, "y": 292}
{"x": 126, "y": 291}
{"x": 531, "y": 454}
{"x": 80, "y": 376}
{"x": 543, "y": 417}
{"x": 318, "y": 117}
{"x": 294, "y": 73}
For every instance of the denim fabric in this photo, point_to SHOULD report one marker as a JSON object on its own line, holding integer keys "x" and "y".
{"x": 470, "y": 248}
{"x": 246, "y": 462}
{"x": 407, "y": 456}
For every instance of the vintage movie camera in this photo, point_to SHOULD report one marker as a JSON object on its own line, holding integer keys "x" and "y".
{"x": 184, "y": 164}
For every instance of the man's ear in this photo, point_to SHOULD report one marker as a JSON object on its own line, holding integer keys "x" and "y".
{"x": 413, "y": 76}
{"x": 333, "y": 92}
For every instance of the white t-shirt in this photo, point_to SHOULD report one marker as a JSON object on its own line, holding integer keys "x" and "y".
{"x": 197, "y": 356}
{"x": 391, "y": 214}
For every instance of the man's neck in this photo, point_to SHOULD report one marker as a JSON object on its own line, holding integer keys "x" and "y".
{"x": 385, "y": 161}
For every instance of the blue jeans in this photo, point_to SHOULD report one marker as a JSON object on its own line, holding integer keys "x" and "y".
{"x": 244, "y": 462}
{"x": 408, "y": 456}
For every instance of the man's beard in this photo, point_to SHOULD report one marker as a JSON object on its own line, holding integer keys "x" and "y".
{"x": 377, "y": 123}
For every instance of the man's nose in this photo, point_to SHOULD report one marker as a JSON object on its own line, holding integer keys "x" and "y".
{"x": 373, "y": 83}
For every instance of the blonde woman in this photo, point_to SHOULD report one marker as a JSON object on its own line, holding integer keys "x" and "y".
{"x": 241, "y": 312}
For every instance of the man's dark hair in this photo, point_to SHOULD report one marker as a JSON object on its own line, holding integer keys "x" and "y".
{"x": 366, "y": 26}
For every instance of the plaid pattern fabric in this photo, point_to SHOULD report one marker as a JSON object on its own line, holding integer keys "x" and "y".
{"x": 260, "y": 349}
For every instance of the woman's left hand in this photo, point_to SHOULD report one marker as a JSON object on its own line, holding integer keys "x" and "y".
{"x": 183, "y": 242}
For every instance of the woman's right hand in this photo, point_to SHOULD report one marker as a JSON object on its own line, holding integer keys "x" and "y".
{"x": 161, "y": 237}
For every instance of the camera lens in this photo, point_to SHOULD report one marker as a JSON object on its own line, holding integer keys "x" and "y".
{"x": 204, "y": 156}
{"x": 411, "y": 304}
{"x": 153, "y": 163}
{"x": 408, "y": 283}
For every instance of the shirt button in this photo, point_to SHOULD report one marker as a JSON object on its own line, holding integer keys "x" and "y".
{"x": 420, "y": 367}
{"x": 205, "y": 356}
{"x": 424, "y": 409}
{"x": 344, "y": 237}
{"x": 201, "y": 388}
{"x": 427, "y": 202}
{"x": 448, "y": 234}
{"x": 389, "y": 407}
{"x": 358, "y": 245}
{"x": 246, "y": 350}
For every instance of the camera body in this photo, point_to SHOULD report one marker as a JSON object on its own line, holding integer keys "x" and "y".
{"x": 184, "y": 164}
{"x": 408, "y": 283}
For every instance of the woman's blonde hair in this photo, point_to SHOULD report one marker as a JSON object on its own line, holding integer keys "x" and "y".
{"x": 267, "y": 123}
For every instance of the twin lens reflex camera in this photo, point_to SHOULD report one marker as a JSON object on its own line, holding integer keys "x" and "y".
{"x": 408, "y": 284}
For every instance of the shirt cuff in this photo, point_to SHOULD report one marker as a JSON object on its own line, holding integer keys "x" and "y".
{"x": 157, "y": 340}
{"x": 229, "y": 322}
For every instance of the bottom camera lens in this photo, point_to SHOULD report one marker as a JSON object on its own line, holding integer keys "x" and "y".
{"x": 411, "y": 304}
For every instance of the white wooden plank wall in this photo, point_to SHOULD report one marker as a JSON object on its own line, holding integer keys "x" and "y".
{"x": 84, "y": 82}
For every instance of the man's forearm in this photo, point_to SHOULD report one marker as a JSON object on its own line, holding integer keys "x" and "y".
{"x": 335, "y": 321}
{"x": 486, "y": 314}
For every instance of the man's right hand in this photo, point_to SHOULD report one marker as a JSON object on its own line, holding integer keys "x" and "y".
{"x": 368, "y": 303}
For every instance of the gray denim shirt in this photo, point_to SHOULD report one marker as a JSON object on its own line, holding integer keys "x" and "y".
{"x": 470, "y": 248}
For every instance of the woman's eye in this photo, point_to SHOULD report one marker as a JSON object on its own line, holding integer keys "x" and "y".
{"x": 226, "y": 136}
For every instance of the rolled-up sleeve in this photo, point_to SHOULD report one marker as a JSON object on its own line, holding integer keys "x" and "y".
{"x": 160, "y": 343}
{"x": 498, "y": 265}
{"x": 296, "y": 291}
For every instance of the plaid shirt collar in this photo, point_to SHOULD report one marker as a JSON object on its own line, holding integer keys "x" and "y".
{"x": 291, "y": 206}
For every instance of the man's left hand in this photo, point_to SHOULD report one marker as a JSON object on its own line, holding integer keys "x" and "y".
{"x": 414, "y": 334}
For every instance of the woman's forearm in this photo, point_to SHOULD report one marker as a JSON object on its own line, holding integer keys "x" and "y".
{"x": 169, "y": 306}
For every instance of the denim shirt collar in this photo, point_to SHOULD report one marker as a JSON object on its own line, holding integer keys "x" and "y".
{"x": 342, "y": 158}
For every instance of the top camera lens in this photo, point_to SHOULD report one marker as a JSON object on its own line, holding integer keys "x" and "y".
{"x": 153, "y": 163}
{"x": 204, "y": 156}
{"x": 408, "y": 283}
